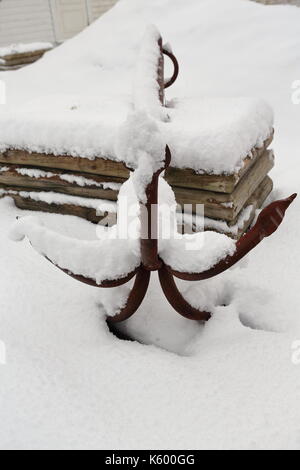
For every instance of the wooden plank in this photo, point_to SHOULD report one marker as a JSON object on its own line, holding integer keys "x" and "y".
{"x": 256, "y": 200}
{"x": 12, "y": 178}
{"x": 227, "y": 206}
{"x": 24, "y": 55}
{"x": 98, "y": 166}
{"x": 188, "y": 178}
{"x": 4, "y": 68}
{"x": 23, "y": 61}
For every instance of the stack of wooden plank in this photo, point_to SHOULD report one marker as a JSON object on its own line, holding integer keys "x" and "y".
{"x": 78, "y": 186}
{"x": 16, "y": 56}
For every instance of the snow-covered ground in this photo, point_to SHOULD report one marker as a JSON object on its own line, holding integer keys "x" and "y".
{"x": 68, "y": 383}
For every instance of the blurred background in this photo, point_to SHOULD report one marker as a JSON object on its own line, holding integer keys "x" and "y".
{"x": 25, "y": 21}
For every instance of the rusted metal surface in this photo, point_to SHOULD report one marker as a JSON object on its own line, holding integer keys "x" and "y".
{"x": 136, "y": 296}
{"x": 106, "y": 284}
{"x": 149, "y": 221}
{"x": 173, "y": 79}
{"x": 175, "y": 298}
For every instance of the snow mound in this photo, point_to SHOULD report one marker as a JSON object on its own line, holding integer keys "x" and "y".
{"x": 107, "y": 258}
{"x": 196, "y": 253}
{"x": 214, "y": 135}
{"x": 98, "y": 260}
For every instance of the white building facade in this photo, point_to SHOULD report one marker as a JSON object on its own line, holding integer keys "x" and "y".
{"x": 47, "y": 20}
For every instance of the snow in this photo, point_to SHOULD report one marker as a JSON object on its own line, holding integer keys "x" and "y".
{"x": 51, "y": 197}
{"x": 215, "y": 135}
{"x": 98, "y": 260}
{"x": 141, "y": 145}
{"x": 70, "y": 178}
{"x": 199, "y": 222}
{"x": 233, "y": 384}
{"x": 82, "y": 181}
{"x": 146, "y": 87}
{"x": 33, "y": 173}
{"x": 212, "y": 135}
{"x": 196, "y": 253}
{"x": 109, "y": 258}
{"x": 64, "y": 124}
{"x": 23, "y": 48}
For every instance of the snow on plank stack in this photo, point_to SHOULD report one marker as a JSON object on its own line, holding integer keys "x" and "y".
{"x": 230, "y": 200}
{"x": 59, "y": 153}
{"x": 18, "y": 55}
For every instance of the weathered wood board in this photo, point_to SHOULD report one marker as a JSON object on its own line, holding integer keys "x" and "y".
{"x": 227, "y": 206}
{"x": 242, "y": 223}
{"x": 11, "y": 177}
{"x": 24, "y": 55}
{"x": 5, "y": 68}
{"x": 98, "y": 166}
{"x": 22, "y": 61}
{"x": 187, "y": 178}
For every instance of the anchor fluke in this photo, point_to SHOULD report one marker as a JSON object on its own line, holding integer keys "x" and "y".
{"x": 272, "y": 216}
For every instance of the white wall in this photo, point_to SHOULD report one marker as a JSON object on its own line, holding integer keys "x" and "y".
{"x": 25, "y": 21}
{"x": 47, "y": 20}
{"x": 70, "y": 17}
{"x": 96, "y": 8}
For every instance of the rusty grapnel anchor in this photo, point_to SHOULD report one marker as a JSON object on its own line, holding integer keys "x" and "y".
{"x": 267, "y": 223}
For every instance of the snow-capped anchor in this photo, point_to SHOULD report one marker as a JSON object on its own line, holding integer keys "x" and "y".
{"x": 111, "y": 261}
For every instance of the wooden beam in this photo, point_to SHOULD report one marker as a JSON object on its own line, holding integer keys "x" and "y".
{"x": 24, "y": 55}
{"x": 98, "y": 166}
{"x": 56, "y": 183}
{"x": 23, "y": 61}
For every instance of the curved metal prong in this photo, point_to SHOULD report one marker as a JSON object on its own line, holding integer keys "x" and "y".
{"x": 267, "y": 223}
{"x": 173, "y": 79}
{"x": 272, "y": 216}
{"x": 135, "y": 298}
{"x": 176, "y": 300}
{"x": 91, "y": 282}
